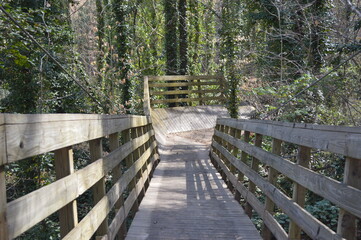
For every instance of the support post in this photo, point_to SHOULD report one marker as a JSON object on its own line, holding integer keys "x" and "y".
{"x": 3, "y": 223}
{"x": 199, "y": 88}
{"x": 244, "y": 157}
{"x": 96, "y": 152}
{"x": 299, "y": 192}
{"x": 272, "y": 178}
{"x": 255, "y": 166}
{"x": 64, "y": 166}
{"x": 117, "y": 173}
{"x": 129, "y": 162}
{"x": 347, "y": 227}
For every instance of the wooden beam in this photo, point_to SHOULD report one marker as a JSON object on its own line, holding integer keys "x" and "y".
{"x": 180, "y": 92}
{"x": 338, "y": 193}
{"x": 88, "y": 225}
{"x": 158, "y": 101}
{"x": 50, "y": 132}
{"x": 64, "y": 166}
{"x": 312, "y": 227}
{"x": 3, "y": 151}
{"x": 127, "y": 135}
{"x": 117, "y": 173}
{"x": 299, "y": 192}
{"x": 146, "y": 103}
{"x": 272, "y": 179}
{"x": 183, "y": 77}
{"x": 244, "y": 157}
{"x": 38, "y": 204}
{"x": 255, "y": 167}
{"x": 4, "y": 235}
{"x": 335, "y": 139}
{"x": 275, "y": 227}
{"x": 96, "y": 152}
{"x": 347, "y": 223}
{"x": 183, "y": 84}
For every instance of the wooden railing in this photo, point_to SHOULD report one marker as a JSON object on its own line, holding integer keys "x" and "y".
{"x": 192, "y": 90}
{"x": 252, "y": 172}
{"x": 129, "y": 163}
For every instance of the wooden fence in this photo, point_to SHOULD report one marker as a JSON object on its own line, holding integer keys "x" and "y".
{"x": 252, "y": 172}
{"x": 192, "y": 90}
{"x": 24, "y": 136}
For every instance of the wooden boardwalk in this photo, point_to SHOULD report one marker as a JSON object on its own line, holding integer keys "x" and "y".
{"x": 187, "y": 198}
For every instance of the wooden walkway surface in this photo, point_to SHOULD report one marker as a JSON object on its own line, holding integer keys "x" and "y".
{"x": 187, "y": 198}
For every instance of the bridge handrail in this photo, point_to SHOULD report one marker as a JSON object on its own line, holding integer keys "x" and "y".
{"x": 28, "y": 135}
{"x": 185, "y": 89}
{"x": 230, "y": 151}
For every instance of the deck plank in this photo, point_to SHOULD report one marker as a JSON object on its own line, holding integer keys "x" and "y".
{"x": 187, "y": 198}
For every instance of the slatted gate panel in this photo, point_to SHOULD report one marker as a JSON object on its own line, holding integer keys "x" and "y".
{"x": 190, "y": 90}
{"x": 25, "y": 136}
{"x": 252, "y": 172}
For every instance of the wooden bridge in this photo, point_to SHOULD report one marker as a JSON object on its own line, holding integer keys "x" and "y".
{"x": 215, "y": 172}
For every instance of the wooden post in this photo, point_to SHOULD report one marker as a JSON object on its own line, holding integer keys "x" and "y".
{"x": 236, "y": 134}
{"x": 129, "y": 162}
{"x": 96, "y": 152}
{"x": 4, "y": 235}
{"x": 199, "y": 88}
{"x": 244, "y": 157}
{"x": 146, "y": 145}
{"x": 137, "y": 132}
{"x": 222, "y": 86}
{"x": 347, "y": 227}
{"x": 189, "y": 93}
{"x": 222, "y": 143}
{"x": 64, "y": 166}
{"x": 146, "y": 103}
{"x": 299, "y": 192}
{"x": 228, "y": 146}
{"x": 117, "y": 173}
{"x": 272, "y": 178}
{"x": 255, "y": 165}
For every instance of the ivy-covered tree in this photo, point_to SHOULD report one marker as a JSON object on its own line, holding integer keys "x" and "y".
{"x": 121, "y": 10}
{"x": 171, "y": 36}
{"x": 229, "y": 34}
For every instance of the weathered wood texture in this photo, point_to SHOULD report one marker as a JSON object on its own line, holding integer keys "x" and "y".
{"x": 64, "y": 166}
{"x": 330, "y": 138}
{"x": 347, "y": 224}
{"x": 187, "y": 198}
{"x": 35, "y": 134}
{"x": 200, "y": 90}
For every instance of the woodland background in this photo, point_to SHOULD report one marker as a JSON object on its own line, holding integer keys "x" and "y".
{"x": 270, "y": 52}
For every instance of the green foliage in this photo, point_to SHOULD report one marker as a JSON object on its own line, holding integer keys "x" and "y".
{"x": 326, "y": 212}
{"x": 229, "y": 34}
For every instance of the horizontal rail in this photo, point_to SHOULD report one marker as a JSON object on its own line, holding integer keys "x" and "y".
{"x": 183, "y": 84}
{"x": 182, "y": 78}
{"x": 172, "y": 90}
{"x": 33, "y": 134}
{"x": 178, "y": 100}
{"x": 87, "y": 227}
{"x": 224, "y": 153}
{"x": 55, "y": 132}
{"x": 178, "y": 92}
{"x": 341, "y": 140}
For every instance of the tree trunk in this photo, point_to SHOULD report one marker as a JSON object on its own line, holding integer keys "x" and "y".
{"x": 120, "y": 8}
{"x": 171, "y": 40}
{"x": 183, "y": 34}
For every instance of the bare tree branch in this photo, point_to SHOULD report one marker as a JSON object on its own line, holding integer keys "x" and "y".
{"x": 353, "y": 7}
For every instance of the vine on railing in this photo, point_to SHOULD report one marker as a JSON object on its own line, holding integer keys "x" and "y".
{"x": 252, "y": 172}
{"x": 24, "y": 136}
